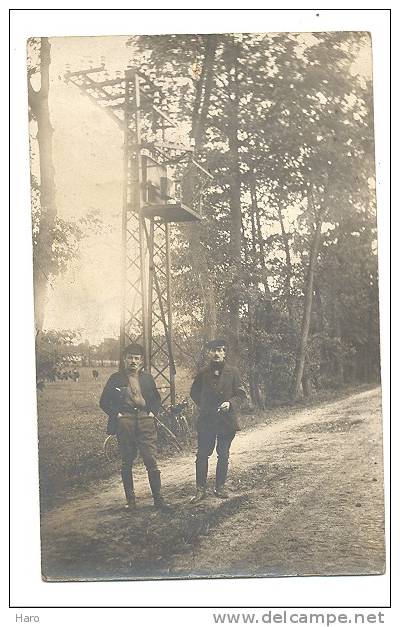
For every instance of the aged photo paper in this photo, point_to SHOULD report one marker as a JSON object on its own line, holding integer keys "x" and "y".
{"x": 206, "y": 305}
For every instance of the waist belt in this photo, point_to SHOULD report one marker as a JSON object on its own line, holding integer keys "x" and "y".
{"x": 134, "y": 414}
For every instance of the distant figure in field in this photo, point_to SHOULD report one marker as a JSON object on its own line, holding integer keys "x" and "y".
{"x": 95, "y": 374}
{"x": 75, "y": 375}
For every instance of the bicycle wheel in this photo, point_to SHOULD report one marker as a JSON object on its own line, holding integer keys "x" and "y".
{"x": 183, "y": 429}
{"x": 110, "y": 448}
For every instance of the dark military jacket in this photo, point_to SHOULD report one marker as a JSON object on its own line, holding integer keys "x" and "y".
{"x": 212, "y": 386}
{"x": 115, "y": 398}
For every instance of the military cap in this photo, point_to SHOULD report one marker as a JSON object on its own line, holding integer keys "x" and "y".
{"x": 217, "y": 343}
{"x": 133, "y": 349}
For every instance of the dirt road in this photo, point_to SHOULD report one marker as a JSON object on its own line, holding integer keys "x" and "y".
{"x": 306, "y": 498}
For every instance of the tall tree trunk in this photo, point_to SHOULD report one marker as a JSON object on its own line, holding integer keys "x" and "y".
{"x": 203, "y": 93}
{"x": 235, "y": 201}
{"x": 338, "y": 339}
{"x": 246, "y": 244}
{"x": 197, "y": 252}
{"x": 321, "y": 330}
{"x": 256, "y": 351}
{"x": 41, "y": 285}
{"x": 39, "y": 105}
{"x": 288, "y": 269}
{"x": 254, "y": 362}
{"x": 199, "y": 264}
{"x": 306, "y": 385}
{"x": 370, "y": 355}
{"x": 308, "y": 300}
{"x": 259, "y": 239}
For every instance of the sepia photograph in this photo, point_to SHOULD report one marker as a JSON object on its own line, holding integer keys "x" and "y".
{"x": 205, "y": 271}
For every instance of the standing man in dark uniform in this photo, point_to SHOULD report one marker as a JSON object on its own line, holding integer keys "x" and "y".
{"x": 218, "y": 392}
{"x": 131, "y": 400}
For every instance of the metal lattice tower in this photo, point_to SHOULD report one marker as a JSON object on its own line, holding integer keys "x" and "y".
{"x": 149, "y": 208}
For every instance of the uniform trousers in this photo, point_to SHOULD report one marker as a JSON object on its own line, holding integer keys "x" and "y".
{"x": 206, "y": 441}
{"x": 137, "y": 433}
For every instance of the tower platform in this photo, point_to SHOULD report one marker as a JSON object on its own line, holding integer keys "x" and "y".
{"x": 171, "y": 212}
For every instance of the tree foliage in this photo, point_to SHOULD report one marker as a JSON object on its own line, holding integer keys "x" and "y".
{"x": 284, "y": 123}
{"x": 300, "y": 153}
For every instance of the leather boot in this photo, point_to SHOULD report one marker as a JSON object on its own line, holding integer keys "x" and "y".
{"x": 200, "y": 495}
{"x": 201, "y": 471}
{"x": 201, "y": 480}
{"x": 220, "y": 477}
{"x": 155, "y": 486}
{"x": 131, "y": 503}
{"x": 221, "y": 471}
{"x": 221, "y": 492}
{"x": 127, "y": 482}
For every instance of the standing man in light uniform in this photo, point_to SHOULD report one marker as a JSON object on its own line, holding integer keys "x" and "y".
{"x": 131, "y": 400}
{"x": 218, "y": 392}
